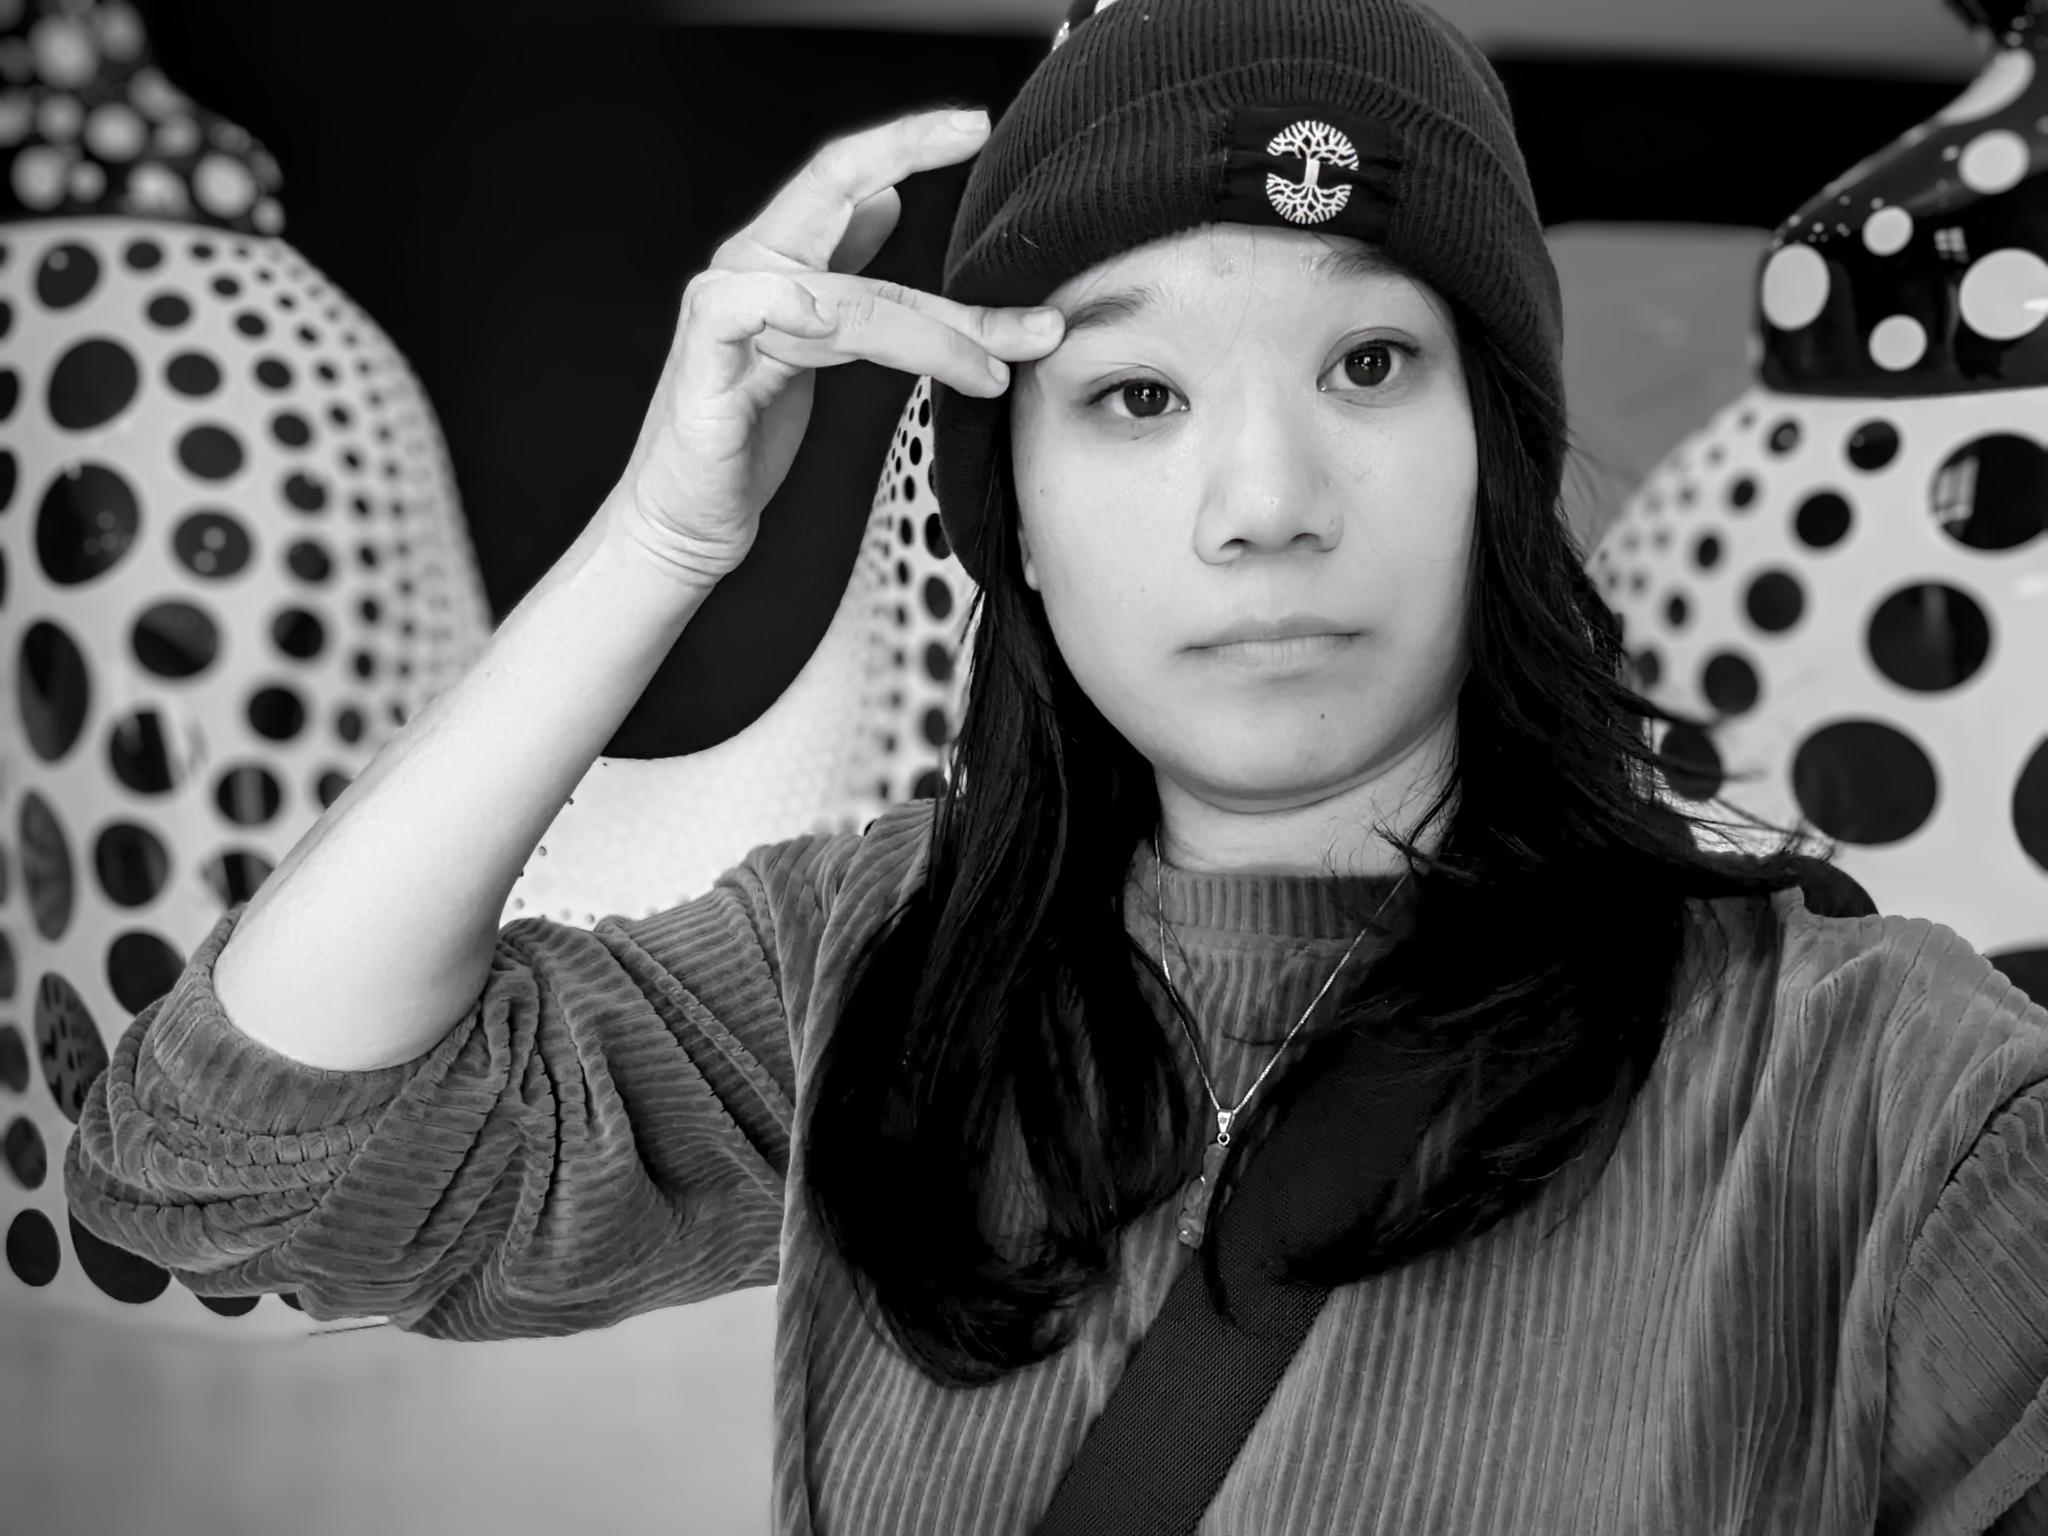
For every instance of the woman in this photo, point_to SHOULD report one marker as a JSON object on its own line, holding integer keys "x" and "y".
{"x": 1293, "y": 717}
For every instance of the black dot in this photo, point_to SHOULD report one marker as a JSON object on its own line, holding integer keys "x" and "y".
{"x": 304, "y": 492}
{"x": 917, "y": 450}
{"x": 935, "y": 727}
{"x": 1694, "y": 767}
{"x": 935, "y": 537}
{"x": 9, "y": 475}
{"x": 1775, "y": 600}
{"x": 92, "y": 383}
{"x": 1864, "y": 781}
{"x": 938, "y": 662}
{"x": 902, "y": 573}
{"x": 132, "y": 864}
{"x": 55, "y": 689}
{"x": 6, "y": 318}
{"x": 167, "y": 310}
{"x": 174, "y": 639}
{"x": 192, "y": 373}
{"x": 1730, "y": 683}
{"x": 1993, "y": 493}
{"x": 87, "y": 521}
{"x": 67, "y": 275}
{"x": 138, "y": 750}
{"x": 308, "y": 561}
{"x": 249, "y": 323}
{"x": 1929, "y": 637}
{"x": 1821, "y": 520}
{"x": 938, "y": 597}
{"x": 211, "y": 453}
{"x": 1873, "y": 445}
{"x": 10, "y": 392}
{"x": 1784, "y": 436}
{"x": 1742, "y": 492}
{"x": 273, "y": 374}
{"x": 2030, "y": 807}
{"x": 277, "y": 714}
{"x": 143, "y": 255}
{"x": 1649, "y": 667}
{"x": 1675, "y": 610}
{"x": 297, "y": 633}
{"x": 291, "y": 429}
{"x": 1707, "y": 553}
{"x": 212, "y": 544}
{"x": 248, "y": 796}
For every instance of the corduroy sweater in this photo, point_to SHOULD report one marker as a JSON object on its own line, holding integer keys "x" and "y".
{"x": 1809, "y": 1295}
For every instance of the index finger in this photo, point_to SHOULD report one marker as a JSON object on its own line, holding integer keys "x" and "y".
{"x": 807, "y": 218}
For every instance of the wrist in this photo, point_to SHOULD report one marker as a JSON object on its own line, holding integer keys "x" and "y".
{"x": 632, "y": 537}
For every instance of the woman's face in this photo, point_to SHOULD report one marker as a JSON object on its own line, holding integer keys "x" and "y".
{"x": 1244, "y": 426}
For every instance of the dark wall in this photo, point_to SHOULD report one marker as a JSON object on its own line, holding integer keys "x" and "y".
{"x": 519, "y": 194}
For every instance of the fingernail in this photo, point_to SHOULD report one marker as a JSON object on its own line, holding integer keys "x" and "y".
{"x": 999, "y": 370}
{"x": 970, "y": 122}
{"x": 1042, "y": 322}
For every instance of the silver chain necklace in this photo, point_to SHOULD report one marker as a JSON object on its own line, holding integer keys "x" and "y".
{"x": 1194, "y": 1203}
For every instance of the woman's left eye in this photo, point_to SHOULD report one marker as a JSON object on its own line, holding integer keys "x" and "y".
{"x": 1378, "y": 349}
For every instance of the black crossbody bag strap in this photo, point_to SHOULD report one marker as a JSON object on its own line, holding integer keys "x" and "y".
{"x": 1196, "y": 1383}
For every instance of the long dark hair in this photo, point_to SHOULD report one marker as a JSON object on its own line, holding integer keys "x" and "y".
{"x": 1542, "y": 957}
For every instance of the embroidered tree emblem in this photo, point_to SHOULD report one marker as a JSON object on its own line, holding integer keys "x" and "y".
{"x": 1308, "y": 201}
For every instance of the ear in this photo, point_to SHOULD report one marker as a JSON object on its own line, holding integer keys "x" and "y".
{"x": 1024, "y": 549}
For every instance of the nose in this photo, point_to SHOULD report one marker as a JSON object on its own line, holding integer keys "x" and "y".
{"x": 1267, "y": 489}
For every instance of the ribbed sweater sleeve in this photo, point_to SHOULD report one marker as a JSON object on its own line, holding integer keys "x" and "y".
{"x": 1969, "y": 1343}
{"x": 606, "y": 1132}
{"x": 1966, "y": 1424}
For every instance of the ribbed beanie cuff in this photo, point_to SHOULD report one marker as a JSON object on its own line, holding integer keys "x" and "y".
{"x": 1370, "y": 118}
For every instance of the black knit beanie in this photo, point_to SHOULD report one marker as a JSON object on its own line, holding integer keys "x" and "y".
{"x": 1370, "y": 118}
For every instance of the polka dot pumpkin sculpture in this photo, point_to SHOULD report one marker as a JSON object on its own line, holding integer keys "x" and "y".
{"x": 231, "y": 565}
{"x": 237, "y": 566}
{"x": 1844, "y": 578}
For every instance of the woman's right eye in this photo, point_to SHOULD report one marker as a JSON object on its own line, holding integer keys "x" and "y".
{"x": 1131, "y": 387}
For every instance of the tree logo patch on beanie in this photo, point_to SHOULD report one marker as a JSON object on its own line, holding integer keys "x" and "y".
{"x": 1310, "y": 201}
{"x": 1305, "y": 165}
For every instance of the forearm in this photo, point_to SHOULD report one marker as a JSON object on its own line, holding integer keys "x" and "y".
{"x": 375, "y": 935}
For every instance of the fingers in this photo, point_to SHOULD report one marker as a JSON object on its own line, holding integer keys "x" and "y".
{"x": 1001, "y": 333}
{"x": 723, "y": 312}
{"x": 886, "y": 323}
{"x": 808, "y": 217}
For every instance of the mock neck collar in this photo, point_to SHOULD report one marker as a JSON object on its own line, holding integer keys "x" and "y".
{"x": 1299, "y": 906}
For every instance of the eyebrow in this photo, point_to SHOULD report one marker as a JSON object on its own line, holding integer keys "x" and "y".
{"x": 1122, "y": 304}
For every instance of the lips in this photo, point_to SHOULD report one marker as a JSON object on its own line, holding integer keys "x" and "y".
{"x": 1290, "y": 627}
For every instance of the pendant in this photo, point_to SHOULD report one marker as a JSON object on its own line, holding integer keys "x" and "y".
{"x": 1194, "y": 1201}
